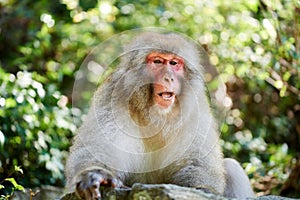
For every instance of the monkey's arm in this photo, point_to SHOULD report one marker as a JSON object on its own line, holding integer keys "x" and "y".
{"x": 84, "y": 171}
{"x": 85, "y": 175}
{"x": 207, "y": 178}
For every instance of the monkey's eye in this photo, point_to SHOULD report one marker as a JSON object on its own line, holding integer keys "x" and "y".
{"x": 172, "y": 62}
{"x": 157, "y": 61}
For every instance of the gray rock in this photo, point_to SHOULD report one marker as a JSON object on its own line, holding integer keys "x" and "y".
{"x": 137, "y": 192}
{"x": 149, "y": 192}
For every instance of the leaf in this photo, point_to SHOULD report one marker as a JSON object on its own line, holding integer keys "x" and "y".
{"x": 15, "y": 184}
{"x": 18, "y": 169}
{"x": 2, "y": 138}
{"x": 10, "y": 103}
{"x": 286, "y": 76}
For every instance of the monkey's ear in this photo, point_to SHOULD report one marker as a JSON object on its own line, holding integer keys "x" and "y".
{"x": 203, "y": 55}
{"x": 206, "y": 66}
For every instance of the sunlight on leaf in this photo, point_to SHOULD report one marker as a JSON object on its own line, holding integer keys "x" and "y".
{"x": 15, "y": 184}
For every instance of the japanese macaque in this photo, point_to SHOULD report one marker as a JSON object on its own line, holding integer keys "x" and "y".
{"x": 150, "y": 122}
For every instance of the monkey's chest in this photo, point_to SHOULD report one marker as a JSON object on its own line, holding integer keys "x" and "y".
{"x": 155, "y": 177}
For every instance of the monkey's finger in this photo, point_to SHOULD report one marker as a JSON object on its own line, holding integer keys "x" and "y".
{"x": 95, "y": 193}
{"x": 79, "y": 190}
{"x": 94, "y": 178}
{"x": 94, "y": 189}
{"x": 116, "y": 183}
{"x": 88, "y": 195}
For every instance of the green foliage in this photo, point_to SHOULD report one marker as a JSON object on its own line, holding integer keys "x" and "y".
{"x": 15, "y": 186}
{"x": 254, "y": 44}
{"x": 37, "y": 128}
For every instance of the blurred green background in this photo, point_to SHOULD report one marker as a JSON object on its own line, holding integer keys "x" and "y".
{"x": 253, "y": 43}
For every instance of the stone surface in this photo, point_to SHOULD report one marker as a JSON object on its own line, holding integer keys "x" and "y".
{"x": 137, "y": 192}
{"x": 149, "y": 192}
{"x": 44, "y": 192}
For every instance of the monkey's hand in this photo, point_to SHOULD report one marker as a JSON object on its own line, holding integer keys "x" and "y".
{"x": 88, "y": 187}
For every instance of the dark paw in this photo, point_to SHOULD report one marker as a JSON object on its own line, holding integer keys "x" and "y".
{"x": 88, "y": 187}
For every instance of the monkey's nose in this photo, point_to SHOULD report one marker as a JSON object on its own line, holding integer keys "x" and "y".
{"x": 168, "y": 78}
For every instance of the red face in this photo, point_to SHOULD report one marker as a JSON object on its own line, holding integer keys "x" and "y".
{"x": 167, "y": 70}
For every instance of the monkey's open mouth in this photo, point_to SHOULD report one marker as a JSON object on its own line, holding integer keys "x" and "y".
{"x": 167, "y": 95}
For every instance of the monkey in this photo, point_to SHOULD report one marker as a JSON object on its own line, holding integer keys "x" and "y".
{"x": 150, "y": 122}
